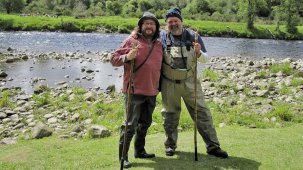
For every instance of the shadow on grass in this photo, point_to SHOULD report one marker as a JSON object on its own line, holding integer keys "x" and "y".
{"x": 185, "y": 161}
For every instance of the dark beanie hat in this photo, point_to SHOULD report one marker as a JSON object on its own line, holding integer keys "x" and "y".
{"x": 148, "y": 15}
{"x": 174, "y": 12}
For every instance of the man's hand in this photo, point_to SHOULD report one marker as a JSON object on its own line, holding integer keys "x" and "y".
{"x": 132, "y": 54}
{"x": 197, "y": 48}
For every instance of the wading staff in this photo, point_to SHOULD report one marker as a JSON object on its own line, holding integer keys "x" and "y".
{"x": 195, "y": 100}
{"x": 128, "y": 104}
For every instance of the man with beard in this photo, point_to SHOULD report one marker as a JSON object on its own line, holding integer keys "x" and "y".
{"x": 180, "y": 49}
{"x": 146, "y": 52}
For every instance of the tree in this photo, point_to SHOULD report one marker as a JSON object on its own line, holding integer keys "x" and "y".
{"x": 50, "y": 4}
{"x": 129, "y": 8}
{"x": 12, "y": 5}
{"x": 113, "y": 7}
{"x": 289, "y": 12}
{"x": 292, "y": 13}
{"x": 251, "y": 7}
{"x": 144, "y": 5}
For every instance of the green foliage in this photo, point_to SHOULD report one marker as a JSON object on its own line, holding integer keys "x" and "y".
{"x": 251, "y": 10}
{"x": 125, "y": 25}
{"x": 144, "y": 5}
{"x": 285, "y": 89}
{"x": 69, "y": 26}
{"x": 281, "y": 12}
{"x": 79, "y": 90}
{"x": 283, "y": 112}
{"x": 12, "y": 5}
{"x": 5, "y": 99}
{"x": 262, "y": 74}
{"x": 6, "y": 24}
{"x": 211, "y": 74}
{"x": 42, "y": 99}
{"x": 113, "y": 8}
{"x": 296, "y": 82}
{"x": 285, "y": 68}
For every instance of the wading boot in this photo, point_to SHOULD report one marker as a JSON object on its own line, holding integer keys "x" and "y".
{"x": 144, "y": 154}
{"x": 218, "y": 152}
{"x": 170, "y": 151}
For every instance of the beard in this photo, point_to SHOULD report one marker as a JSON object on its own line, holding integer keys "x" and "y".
{"x": 148, "y": 33}
{"x": 175, "y": 30}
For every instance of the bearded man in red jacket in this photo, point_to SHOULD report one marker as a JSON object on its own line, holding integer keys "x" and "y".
{"x": 146, "y": 51}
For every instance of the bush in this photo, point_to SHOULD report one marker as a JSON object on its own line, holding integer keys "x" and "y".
{"x": 283, "y": 112}
{"x": 6, "y": 24}
{"x": 69, "y": 27}
{"x": 123, "y": 29}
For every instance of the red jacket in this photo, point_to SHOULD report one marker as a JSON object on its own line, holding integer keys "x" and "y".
{"x": 146, "y": 79}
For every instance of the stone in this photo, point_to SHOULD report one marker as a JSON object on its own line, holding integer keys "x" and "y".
{"x": 52, "y": 120}
{"x": 2, "y": 115}
{"x": 9, "y": 141}
{"x": 41, "y": 131}
{"x": 98, "y": 131}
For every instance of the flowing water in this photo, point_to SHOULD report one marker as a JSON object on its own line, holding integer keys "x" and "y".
{"x": 20, "y": 74}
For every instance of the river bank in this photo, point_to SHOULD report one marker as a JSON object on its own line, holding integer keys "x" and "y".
{"x": 240, "y": 92}
{"x": 125, "y": 25}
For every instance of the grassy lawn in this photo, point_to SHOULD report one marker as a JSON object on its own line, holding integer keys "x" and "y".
{"x": 249, "y": 149}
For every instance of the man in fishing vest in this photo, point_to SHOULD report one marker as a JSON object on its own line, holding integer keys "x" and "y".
{"x": 180, "y": 50}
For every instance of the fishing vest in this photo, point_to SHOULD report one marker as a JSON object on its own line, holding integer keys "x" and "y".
{"x": 181, "y": 53}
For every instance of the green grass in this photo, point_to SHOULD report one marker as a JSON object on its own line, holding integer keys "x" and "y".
{"x": 253, "y": 149}
{"x": 211, "y": 74}
{"x": 126, "y": 25}
{"x": 285, "y": 68}
{"x": 5, "y": 100}
{"x": 296, "y": 82}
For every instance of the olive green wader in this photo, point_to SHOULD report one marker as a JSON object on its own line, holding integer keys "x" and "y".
{"x": 177, "y": 84}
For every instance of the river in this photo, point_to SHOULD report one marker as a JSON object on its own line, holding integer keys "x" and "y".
{"x": 37, "y": 42}
{"x": 52, "y": 72}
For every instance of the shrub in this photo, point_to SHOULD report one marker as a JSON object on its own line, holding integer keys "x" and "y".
{"x": 69, "y": 26}
{"x": 283, "y": 112}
